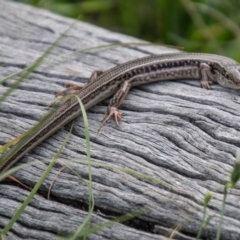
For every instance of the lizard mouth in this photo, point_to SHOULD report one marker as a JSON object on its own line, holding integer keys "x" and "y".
{"x": 236, "y": 83}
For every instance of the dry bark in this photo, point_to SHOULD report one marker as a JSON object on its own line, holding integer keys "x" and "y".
{"x": 174, "y": 132}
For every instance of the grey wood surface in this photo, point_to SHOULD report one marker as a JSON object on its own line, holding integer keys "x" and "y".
{"x": 174, "y": 132}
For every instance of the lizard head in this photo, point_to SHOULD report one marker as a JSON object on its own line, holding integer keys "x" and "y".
{"x": 233, "y": 73}
{"x": 231, "y": 77}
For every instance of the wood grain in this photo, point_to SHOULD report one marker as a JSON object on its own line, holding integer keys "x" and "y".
{"x": 174, "y": 132}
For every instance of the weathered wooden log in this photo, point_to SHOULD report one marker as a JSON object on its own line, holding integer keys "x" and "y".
{"x": 173, "y": 132}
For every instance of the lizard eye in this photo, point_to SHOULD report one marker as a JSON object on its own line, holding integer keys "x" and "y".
{"x": 227, "y": 75}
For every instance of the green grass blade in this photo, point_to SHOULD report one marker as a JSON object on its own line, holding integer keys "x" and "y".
{"x": 35, "y": 189}
{"x": 31, "y": 68}
{"x": 86, "y": 223}
{"x": 9, "y": 154}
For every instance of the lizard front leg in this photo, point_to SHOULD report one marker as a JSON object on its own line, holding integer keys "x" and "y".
{"x": 206, "y": 76}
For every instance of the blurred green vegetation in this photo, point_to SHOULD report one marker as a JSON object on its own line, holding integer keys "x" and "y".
{"x": 194, "y": 25}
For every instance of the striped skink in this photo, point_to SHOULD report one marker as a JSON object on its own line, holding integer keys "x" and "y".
{"x": 118, "y": 80}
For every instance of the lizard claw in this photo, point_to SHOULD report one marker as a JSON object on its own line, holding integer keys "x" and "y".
{"x": 206, "y": 84}
{"x": 111, "y": 112}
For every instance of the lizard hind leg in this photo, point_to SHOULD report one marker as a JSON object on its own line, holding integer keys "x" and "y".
{"x": 74, "y": 88}
{"x": 116, "y": 101}
{"x": 70, "y": 88}
{"x": 95, "y": 74}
